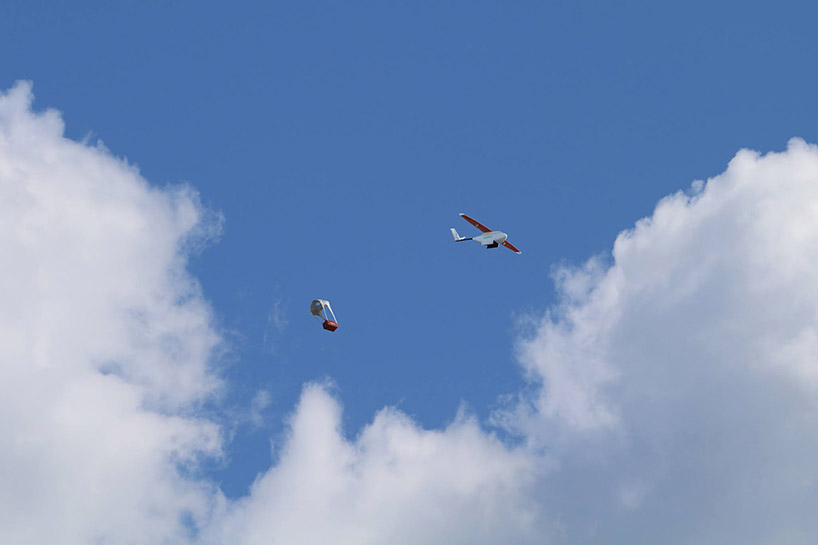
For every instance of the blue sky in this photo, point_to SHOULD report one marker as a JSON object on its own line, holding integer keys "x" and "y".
{"x": 341, "y": 140}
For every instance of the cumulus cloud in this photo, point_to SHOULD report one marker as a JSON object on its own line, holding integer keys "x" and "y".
{"x": 105, "y": 343}
{"x": 678, "y": 383}
{"x": 395, "y": 483}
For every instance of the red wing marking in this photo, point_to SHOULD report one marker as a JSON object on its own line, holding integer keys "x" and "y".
{"x": 511, "y": 247}
{"x": 475, "y": 223}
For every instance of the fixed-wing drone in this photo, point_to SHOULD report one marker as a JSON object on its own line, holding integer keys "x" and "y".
{"x": 489, "y": 238}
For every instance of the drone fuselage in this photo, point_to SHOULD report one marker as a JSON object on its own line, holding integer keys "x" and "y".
{"x": 492, "y": 239}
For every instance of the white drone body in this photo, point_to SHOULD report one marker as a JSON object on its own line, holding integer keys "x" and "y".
{"x": 489, "y": 238}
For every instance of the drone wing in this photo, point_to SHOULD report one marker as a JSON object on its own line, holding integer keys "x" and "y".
{"x": 475, "y": 223}
{"x": 511, "y": 247}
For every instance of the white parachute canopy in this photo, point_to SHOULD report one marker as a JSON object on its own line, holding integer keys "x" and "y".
{"x": 322, "y": 311}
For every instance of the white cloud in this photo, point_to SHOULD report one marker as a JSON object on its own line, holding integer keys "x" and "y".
{"x": 394, "y": 484}
{"x": 104, "y": 343}
{"x": 679, "y": 384}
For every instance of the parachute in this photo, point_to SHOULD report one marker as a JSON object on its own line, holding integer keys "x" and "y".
{"x": 321, "y": 310}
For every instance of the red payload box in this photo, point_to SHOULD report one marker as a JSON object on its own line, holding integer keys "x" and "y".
{"x": 330, "y": 325}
